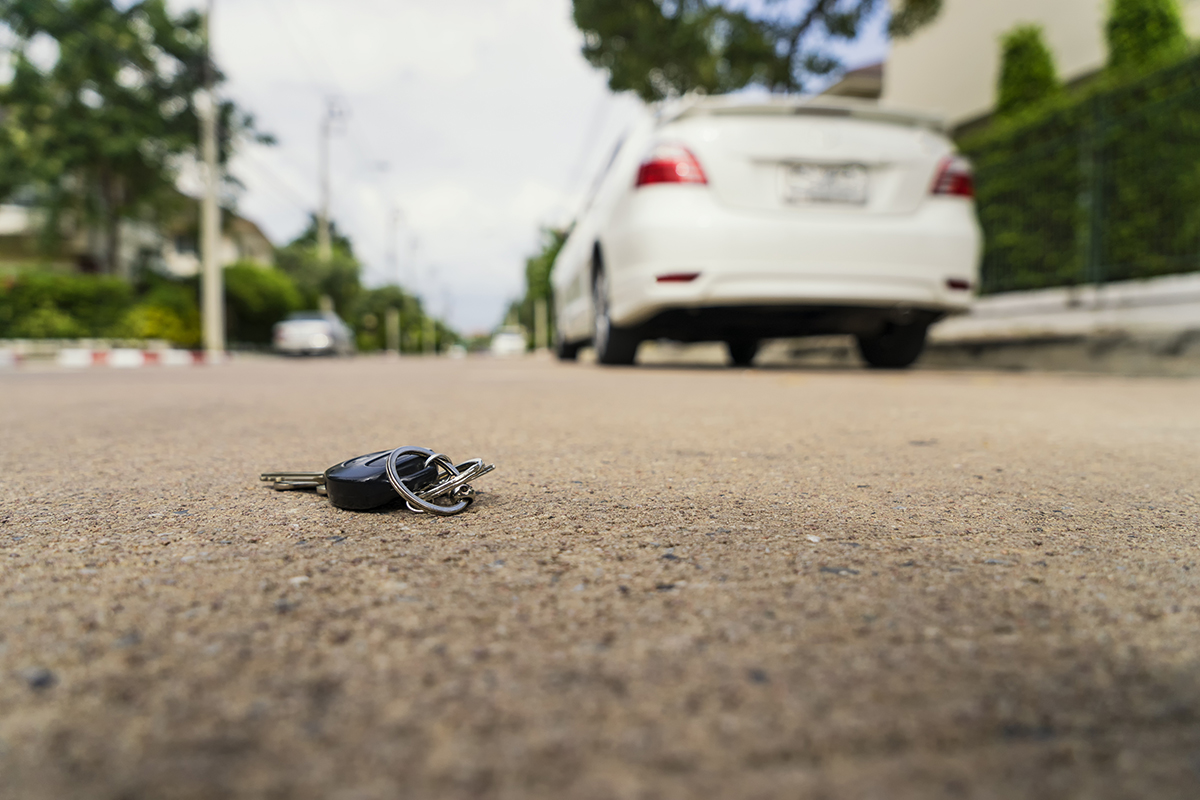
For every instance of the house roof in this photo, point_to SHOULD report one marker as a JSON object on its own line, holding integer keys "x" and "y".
{"x": 865, "y": 82}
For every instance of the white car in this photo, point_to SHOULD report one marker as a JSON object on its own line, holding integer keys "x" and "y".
{"x": 735, "y": 220}
{"x": 508, "y": 341}
{"x": 313, "y": 333}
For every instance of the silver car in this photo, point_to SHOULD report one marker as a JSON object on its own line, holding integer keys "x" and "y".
{"x": 313, "y": 333}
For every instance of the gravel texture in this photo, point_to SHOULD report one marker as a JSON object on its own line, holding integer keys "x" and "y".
{"x": 680, "y": 582}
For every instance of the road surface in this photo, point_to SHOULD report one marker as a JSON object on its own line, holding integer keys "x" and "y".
{"x": 680, "y": 582}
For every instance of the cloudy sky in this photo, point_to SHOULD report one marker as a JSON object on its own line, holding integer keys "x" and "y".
{"x": 472, "y": 122}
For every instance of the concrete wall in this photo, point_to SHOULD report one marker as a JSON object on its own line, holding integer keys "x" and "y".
{"x": 951, "y": 66}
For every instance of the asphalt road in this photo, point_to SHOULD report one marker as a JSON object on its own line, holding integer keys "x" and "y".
{"x": 680, "y": 582}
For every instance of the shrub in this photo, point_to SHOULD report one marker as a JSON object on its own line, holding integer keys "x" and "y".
{"x": 1027, "y": 75}
{"x": 169, "y": 309}
{"x": 149, "y": 321}
{"x": 1142, "y": 32}
{"x": 38, "y": 304}
{"x": 1101, "y": 186}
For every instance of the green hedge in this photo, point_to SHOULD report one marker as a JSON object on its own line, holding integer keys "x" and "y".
{"x": 47, "y": 306}
{"x": 1098, "y": 186}
{"x": 41, "y": 305}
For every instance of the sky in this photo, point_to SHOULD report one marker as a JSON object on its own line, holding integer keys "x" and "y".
{"x": 466, "y": 127}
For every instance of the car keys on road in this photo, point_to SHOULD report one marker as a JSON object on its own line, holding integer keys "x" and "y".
{"x": 416, "y": 474}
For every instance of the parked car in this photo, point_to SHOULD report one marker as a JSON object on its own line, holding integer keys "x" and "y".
{"x": 313, "y": 333}
{"x": 736, "y": 220}
{"x": 509, "y": 340}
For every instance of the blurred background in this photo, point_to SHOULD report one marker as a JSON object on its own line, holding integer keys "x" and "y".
{"x": 412, "y": 168}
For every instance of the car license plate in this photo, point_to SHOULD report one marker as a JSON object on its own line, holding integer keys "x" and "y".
{"x": 825, "y": 183}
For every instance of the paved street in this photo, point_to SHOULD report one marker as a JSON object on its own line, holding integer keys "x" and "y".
{"x": 680, "y": 582}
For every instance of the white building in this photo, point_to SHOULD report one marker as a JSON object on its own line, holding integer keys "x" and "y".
{"x": 951, "y": 66}
{"x": 241, "y": 240}
{"x": 171, "y": 249}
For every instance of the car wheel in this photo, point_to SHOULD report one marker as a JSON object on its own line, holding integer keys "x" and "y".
{"x": 896, "y": 348}
{"x": 742, "y": 351}
{"x": 564, "y": 349}
{"x": 614, "y": 346}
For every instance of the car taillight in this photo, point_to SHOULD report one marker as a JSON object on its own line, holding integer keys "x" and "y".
{"x": 954, "y": 177}
{"x": 670, "y": 163}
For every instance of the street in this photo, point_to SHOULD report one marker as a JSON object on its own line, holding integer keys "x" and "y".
{"x": 680, "y": 581}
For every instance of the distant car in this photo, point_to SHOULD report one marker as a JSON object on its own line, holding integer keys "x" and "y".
{"x": 739, "y": 220}
{"x": 313, "y": 333}
{"x": 509, "y": 341}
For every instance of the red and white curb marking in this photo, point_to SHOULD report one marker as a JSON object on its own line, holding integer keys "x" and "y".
{"x": 127, "y": 358}
{"x": 117, "y": 358}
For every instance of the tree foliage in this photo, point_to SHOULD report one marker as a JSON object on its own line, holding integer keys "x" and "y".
{"x": 1027, "y": 74}
{"x": 665, "y": 48}
{"x": 255, "y": 299}
{"x": 538, "y": 269}
{"x": 370, "y": 322}
{"x": 336, "y": 278}
{"x": 1142, "y": 32}
{"x": 101, "y": 106}
{"x": 365, "y": 310}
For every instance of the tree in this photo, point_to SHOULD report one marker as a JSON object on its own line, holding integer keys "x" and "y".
{"x": 98, "y": 134}
{"x": 370, "y": 321}
{"x": 665, "y": 48}
{"x": 538, "y": 269}
{"x": 336, "y": 278}
{"x": 1140, "y": 32}
{"x": 1027, "y": 74}
{"x": 256, "y": 298}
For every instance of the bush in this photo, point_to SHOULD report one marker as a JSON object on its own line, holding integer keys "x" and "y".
{"x": 1027, "y": 75}
{"x": 255, "y": 299}
{"x": 1101, "y": 186}
{"x": 168, "y": 309}
{"x": 150, "y": 321}
{"x": 37, "y": 305}
{"x": 1142, "y": 32}
{"x": 44, "y": 305}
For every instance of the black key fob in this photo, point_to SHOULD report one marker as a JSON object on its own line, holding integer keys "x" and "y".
{"x": 361, "y": 483}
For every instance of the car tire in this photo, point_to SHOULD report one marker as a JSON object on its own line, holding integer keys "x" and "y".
{"x": 565, "y": 350}
{"x": 742, "y": 351}
{"x": 896, "y": 348}
{"x": 614, "y": 346}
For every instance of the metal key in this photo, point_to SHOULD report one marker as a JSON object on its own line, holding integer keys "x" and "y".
{"x": 357, "y": 484}
{"x": 369, "y": 481}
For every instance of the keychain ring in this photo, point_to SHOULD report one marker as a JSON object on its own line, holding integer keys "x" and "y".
{"x": 416, "y": 502}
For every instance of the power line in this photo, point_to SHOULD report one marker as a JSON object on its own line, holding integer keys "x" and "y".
{"x": 297, "y": 50}
{"x": 281, "y": 186}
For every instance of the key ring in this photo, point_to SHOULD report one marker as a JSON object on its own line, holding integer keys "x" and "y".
{"x": 419, "y": 502}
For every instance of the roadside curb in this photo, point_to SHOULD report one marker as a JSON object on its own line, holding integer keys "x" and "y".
{"x": 128, "y": 358}
{"x": 113, "y": 357}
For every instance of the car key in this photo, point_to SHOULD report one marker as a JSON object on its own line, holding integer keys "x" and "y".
{"x": 360, "y": 483}
{"x": 418, "y": 475}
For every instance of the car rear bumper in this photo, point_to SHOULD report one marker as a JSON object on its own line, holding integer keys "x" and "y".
{"x": 820, "y": 258}
{"x": 733, "y": 323}
{"x": 304, "y": 351}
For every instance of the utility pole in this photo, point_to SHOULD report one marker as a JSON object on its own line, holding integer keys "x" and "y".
{"x": 393, "y": 263}
{"x": 541, "y": 326}
{"x": 392, "y": 329}
{"x": 392, "y": 234}
{"x": 213, "y": 281}
{"x": 333, "y": 113}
